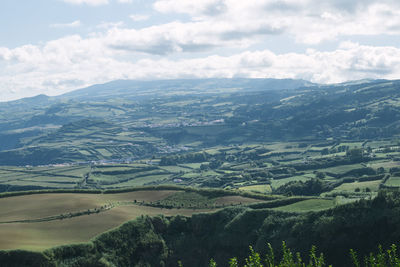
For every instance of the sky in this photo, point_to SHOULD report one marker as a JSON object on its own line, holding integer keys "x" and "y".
{"x": 56, "y": 46}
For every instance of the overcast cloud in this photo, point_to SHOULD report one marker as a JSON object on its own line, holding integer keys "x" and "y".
{"x": 321, "y": 41}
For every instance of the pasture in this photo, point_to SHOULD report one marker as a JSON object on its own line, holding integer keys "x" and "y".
{"x": 38, "y": 236}
{"x": 260, "y": 188}
{"x": 393, "y": 181}
{"x": 361, "y": 186}
{"x": 21, "y": 228}
{"x": 308, "y": 205}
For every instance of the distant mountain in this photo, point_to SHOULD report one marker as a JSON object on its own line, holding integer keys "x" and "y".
{"x": 363, "y": 81}
{"x": 30, "y": 101}
{"x": 138, "y": 89}
{"x": 137, "y": 119}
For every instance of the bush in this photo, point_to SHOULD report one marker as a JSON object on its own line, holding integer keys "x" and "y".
{"x": 300, "y": 188}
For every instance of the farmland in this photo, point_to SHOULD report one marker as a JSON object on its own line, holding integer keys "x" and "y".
{"x": 203, "y": 139}
{"x": 255, "y": 159}
{"x": 38, "y": 236}
{"x": 41, "y": 221}
{"x": 261, "y": 167}
{"x": 308, "y": 205}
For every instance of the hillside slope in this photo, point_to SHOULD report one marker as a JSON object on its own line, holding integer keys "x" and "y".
{"x": 161, "y": 241}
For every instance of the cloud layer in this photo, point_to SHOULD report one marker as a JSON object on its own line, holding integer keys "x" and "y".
{"x": 191, "y": 47}
{"x": 309, "y": 21}
{"x": 73, "y": 62}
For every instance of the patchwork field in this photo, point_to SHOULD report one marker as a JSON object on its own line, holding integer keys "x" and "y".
{"x": 42, "y": 235}
{"x": 37, "y": 206}
{"x": 40, "y": 221}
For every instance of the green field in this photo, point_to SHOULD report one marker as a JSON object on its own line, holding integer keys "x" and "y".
{"x": 264, "y": 188}
{"x": 393, "y": 181}
{"x": 41, "y": 221}
{"x": 342, "y": 169}
{"x": 371, "y": 185}
{"x": 308, "y": 205}
{"x": 42, "y": 235}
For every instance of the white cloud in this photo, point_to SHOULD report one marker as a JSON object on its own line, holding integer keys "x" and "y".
{"x": 239, "y": 24}
{"x": 5, "y": 53}
{"x": 193, "y": 7}
{"x": 308, "y": 21}
{"x": 109, "y": 25}
{"x": 125, "y": 1}
{"x": 73, "y": 62}
{"x": 88, "y": 2}
{"x": 73, "y": 24}
{"x": 175, "y": 37}
{"x": 117, "y": 52}
{"x": 139, "y": 17}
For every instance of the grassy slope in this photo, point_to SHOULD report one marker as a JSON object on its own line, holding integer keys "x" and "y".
{"x": 41, "y": 235}
{"x": 161, "y": 241}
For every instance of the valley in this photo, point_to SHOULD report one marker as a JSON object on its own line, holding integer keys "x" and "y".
{"x": 269, "y": 157}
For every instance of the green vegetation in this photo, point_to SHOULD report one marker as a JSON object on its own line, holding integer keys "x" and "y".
{"x": 310, "y": 187}
{"x": 308, "y": 205}
{"x": 41, "y": 220}
{"x": 163, "y": 241}
{"x": 257, "y": 188}
{"x": 249, "y": 138}
{"x": 187, "y": 200}
{"x": 311, "y": 166}
{"x": 288, "y": 259}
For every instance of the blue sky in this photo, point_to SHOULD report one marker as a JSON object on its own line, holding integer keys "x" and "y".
{"x": 55, "y": 46}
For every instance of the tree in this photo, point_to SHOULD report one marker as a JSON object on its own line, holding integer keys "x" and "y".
{"x": 381, "y": 170}
{"x": 320, "y": 175}
{"x": 325, "y": 151}
{"x": 355, "y": 154}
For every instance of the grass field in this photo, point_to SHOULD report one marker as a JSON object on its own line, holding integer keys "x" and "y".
{"x": 235, "y": 200}
{"x": 393, "y": 181}
{"x": 342, "y": 168}
{"x": 44, "y": 205}
{"x": 261, "y": 188}
{"x": 387, "y": 164}
{"x": 43, "y": 235}
{"x": 308, "y": 205}
{"x": 37, "y": 236}
{"x": 193, "y": 165}
{"x": 372, "y": 185}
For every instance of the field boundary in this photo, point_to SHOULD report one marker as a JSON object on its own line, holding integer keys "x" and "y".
{"x": 210, "y": 192}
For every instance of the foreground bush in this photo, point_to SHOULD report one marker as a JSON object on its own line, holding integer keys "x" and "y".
{"x": 388, "y": 258}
